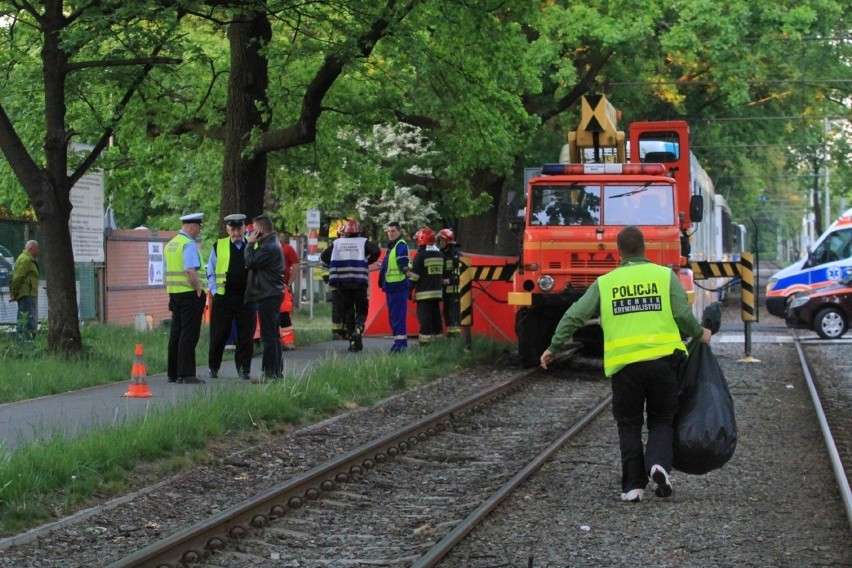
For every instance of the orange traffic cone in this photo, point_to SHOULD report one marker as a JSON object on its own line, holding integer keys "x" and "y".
{"x": 138, "y": 384}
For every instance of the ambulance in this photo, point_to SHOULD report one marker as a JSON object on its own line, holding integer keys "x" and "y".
{"x": 826, "y": 263}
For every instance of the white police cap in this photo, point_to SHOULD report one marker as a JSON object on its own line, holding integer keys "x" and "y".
{"x": 235, "y": 219}
{"x": 192, "y": 218}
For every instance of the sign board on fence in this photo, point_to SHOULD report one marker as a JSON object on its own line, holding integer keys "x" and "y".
{"x": 87, "y": 217}
{"x": 313, "y": 219}
{"x": 155, "y": 263}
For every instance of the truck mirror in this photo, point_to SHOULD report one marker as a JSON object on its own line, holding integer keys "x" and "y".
{"x": 696, "y": 208}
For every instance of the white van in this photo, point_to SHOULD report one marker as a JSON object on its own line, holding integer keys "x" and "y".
{"x": 829, "y": 260}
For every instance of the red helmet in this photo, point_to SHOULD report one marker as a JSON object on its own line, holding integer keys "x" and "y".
{"x": 447, "y": 236}
{"x": 425, "y": 236}
{"x": 352, "y": 227}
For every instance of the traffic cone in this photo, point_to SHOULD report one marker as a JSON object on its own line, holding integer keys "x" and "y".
{"x": 138, "y": 384}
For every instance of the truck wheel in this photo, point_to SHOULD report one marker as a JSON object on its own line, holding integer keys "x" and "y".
{"x": 534, "y": 330}
{"x": 830, "y": 323}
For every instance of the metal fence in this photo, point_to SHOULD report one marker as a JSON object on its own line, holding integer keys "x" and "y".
{"x": 13, "y": 236}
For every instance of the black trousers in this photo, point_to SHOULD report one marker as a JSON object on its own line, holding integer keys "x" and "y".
{"x": 429, "y": 316}
{"x": 452, "y": 313}
{"x": 355, "y": 306}
{"x": 340, "y": 318}
{"x": 267, "y": 314}
{"x": 652, "y": 385}
{"x": 225, "y": 309}
{"x": 187, "y": 309}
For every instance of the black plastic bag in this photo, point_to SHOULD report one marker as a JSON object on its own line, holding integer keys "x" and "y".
{"x": 711, "y": 318}
{"x": 705, "y": 429}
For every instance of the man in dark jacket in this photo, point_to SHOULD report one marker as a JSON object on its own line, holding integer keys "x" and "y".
{"x": 265, "y": 289}
{"x": 349, "y": 261}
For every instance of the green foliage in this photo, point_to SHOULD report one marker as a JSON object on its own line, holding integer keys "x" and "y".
{"x": 457, "y": 89}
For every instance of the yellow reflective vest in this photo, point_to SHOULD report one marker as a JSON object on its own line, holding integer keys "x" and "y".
{"x": 636, "y": 316}
{"x": 223, "y": 258}
{"x": 394, "y": 274}
{"x": 176, "y": 280}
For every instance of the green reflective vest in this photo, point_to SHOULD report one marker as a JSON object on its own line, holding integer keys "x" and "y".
{"x": 394, "y": 274}
{"x": 636, "y": 316}
{"x": 223, "y": 258}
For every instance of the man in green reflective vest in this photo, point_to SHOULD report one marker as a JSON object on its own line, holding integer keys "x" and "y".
{"x": 226, "y": 278}
{"x": 643, "y": 310}
{"x": 184, "y": 277}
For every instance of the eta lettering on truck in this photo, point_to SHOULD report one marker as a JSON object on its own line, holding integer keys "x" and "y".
{"x": 827, "y": 262}
{"x": 575, "y": 209}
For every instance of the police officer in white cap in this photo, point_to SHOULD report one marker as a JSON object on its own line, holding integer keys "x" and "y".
{"x": 184, "y": 283}
{"x": 226, "y": 279}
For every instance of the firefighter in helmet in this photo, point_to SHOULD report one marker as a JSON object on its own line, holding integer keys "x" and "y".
{"x": 427, "y": 270}
{"x": 349, "y": 260}
{"x": 451, "y": 278}
{"x": 338, "y": 319}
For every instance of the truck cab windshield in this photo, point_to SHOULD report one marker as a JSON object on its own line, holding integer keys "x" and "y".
{"x": 638, "y": 205}
{"x": 566, "y": 205}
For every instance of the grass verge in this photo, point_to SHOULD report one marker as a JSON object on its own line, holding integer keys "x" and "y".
{"x": 48, "y": 479}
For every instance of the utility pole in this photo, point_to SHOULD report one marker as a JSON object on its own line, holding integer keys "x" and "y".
{"x": 825, "y": 164}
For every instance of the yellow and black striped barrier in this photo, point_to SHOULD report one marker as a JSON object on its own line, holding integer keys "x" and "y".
{"x": 703, "y": 270}
{"x": 744, "y": 269}
{"x": 471, "y": 273}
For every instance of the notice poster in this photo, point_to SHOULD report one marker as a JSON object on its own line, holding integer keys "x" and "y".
{"x": 155, "y": 264}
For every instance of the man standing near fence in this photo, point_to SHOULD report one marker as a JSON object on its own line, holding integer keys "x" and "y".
{"x": 24, "y": 290}
{"x": 184, "y": 276}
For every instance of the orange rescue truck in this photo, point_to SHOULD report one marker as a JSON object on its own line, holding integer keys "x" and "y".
{"x": 575, "y": 209}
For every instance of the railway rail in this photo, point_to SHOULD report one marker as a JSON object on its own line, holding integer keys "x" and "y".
{"x": 196, "y": 543}
{"x": 832, "y": 400}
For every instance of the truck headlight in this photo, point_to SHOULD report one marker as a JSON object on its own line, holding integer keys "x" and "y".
{"x": 545, "y": 283}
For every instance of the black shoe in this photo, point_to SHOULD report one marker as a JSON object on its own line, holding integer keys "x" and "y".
{"x": 172, "y": 380}
{"x": 245, "y": 377}
{"x": 214, "y": 374}
{"x": 191, "y": 380}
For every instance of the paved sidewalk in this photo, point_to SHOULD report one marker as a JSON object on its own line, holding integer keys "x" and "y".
{"x": 77, "y": 412}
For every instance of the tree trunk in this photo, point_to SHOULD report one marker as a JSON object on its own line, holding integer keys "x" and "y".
{"x": 244, "y": 174}
{"x": 52, "y": 198}
{"x": 64, "y": 324}
{"x": 482, "y": 233}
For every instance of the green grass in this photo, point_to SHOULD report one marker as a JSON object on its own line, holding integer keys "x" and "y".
{"x": 46, "y": 479}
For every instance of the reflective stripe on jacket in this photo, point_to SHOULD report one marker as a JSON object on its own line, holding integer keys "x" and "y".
{"x": 636, "y": 316}
{"x": 349, "y": 262}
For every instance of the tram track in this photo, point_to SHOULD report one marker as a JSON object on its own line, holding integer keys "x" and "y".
{"x": 460, "y": 429}
{"x": 774, "y": 503}
{"x": 831, "y": 405}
